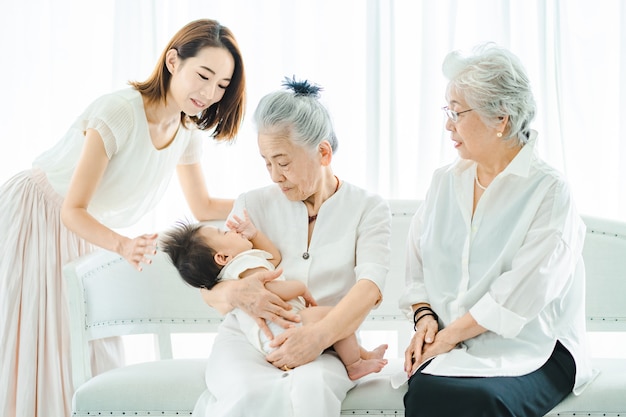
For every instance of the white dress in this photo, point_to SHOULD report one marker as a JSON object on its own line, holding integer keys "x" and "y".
{"x": 350, "y": 242}
{"x": 250, "y": 259}
{"x": 35, "y": 374}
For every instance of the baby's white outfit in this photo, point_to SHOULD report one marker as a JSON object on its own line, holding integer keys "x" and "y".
{"x": 250, "y": 259}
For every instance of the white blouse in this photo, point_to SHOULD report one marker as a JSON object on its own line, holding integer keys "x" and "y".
{"x": 350, "y": 240}
{"x": 137, "y": 174}
{"x": 516, "y": 266}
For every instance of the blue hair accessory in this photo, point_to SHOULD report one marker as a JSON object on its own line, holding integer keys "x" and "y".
{"x": 302, "y": 88}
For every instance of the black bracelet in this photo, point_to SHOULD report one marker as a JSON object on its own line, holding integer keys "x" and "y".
{"x": 419, "y": 310}
{"x": 422, "y": 316}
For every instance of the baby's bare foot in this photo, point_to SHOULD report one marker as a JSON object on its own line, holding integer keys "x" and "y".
{"x": 364, "y": 367}
{"x": 377, "y": 353}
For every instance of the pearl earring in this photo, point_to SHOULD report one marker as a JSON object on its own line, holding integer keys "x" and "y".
{"x": 499, "y": 134}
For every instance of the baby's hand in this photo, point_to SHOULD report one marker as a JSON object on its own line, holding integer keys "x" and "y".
{"x": 245, "y": 227}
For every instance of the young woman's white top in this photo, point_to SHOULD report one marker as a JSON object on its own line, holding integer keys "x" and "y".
{"x": 135, "y": 164}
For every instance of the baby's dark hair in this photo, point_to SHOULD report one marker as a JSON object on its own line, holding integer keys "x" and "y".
{"x": 191, "y": 256}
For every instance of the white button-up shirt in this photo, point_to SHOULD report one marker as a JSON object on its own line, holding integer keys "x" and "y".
{"x": 350, "y": 240}
{"x": 515, "y": 265}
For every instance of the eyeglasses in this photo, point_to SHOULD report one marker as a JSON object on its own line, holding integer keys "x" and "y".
{"x": 452, "y": 115}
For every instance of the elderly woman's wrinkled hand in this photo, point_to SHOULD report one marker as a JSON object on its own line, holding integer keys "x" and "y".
{"x": 418, "y": 349}
{"x": 438, "y": 346}
{"x": 252, "y": 297}
{"x": 295, "y": 347}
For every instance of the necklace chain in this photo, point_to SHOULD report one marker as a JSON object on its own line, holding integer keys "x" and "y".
{"x": 478, "y": 182}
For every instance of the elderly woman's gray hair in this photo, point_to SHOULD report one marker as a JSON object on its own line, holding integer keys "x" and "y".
{"x": 494, "y": 83}
{"x": 296, "y": 114}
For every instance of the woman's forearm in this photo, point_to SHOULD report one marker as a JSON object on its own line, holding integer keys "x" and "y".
{"x": 346, "y": 317}
{"x": 214, "y": 209}
{"x": 84, "y": 225}
{"x": 136, "y": 251}
{"x": 460, "y": 330}
{"x": 202, "y": 205}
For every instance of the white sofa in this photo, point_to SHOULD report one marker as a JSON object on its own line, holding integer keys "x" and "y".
{"x": 109, "y": 298}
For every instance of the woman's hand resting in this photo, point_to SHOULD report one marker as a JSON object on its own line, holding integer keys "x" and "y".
{"x": 137, "y": 251}
{"x": 419, "y": 347}
{"x": 429, "y": 342}
{"x": 296, "y": 346}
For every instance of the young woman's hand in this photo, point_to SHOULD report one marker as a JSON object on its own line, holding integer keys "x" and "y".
{"x": 245, "y": 227}
{"x": 137, "y": 251}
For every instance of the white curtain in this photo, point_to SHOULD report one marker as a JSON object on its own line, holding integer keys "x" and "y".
{"x": 379, "y": 62}
{"x": 575, "y": 53}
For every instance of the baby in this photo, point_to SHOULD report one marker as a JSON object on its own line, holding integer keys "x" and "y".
{"x": 205, "y": 255}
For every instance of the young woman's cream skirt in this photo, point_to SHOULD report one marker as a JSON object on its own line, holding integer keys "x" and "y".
{"x": 35, "y": 372}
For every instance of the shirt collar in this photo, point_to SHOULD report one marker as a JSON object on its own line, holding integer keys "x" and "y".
{"x": 520, "y": 165}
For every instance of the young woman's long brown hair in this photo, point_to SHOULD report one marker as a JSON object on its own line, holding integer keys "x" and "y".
{"x": 224, "y": 116}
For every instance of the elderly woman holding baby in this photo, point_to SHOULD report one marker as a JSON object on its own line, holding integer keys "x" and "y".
{"x": 332, "y": 235}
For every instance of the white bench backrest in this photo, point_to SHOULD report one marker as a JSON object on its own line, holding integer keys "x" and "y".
{"x": 109, "y": 298}
{"x": 605, "y": 264}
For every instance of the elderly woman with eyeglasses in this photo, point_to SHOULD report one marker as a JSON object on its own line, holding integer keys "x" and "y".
{"x": 495, "y": 278}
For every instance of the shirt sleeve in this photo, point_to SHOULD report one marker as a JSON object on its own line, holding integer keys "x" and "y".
{"x": 540, "y": 270}
{"x": 415, "y": 289}
{"x": 253, "y": 258}
{"x": 112, "y": 117}
{"x": 373, "y": 251}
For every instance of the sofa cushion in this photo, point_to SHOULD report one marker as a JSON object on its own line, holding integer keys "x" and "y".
{"x": 604, "y": 395}
{"x": 165, "y": 388}
{"x": 171, "y": 388}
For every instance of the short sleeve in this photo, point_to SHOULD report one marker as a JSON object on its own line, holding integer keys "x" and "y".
{"x": 253, "y": 258}
{"x": 193, "y": 152}
{"x": 373, "y": 247}
{"x": 112, "y": 117}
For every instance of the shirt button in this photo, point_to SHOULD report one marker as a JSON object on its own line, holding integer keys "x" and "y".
{"x": 305, "y": 255}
